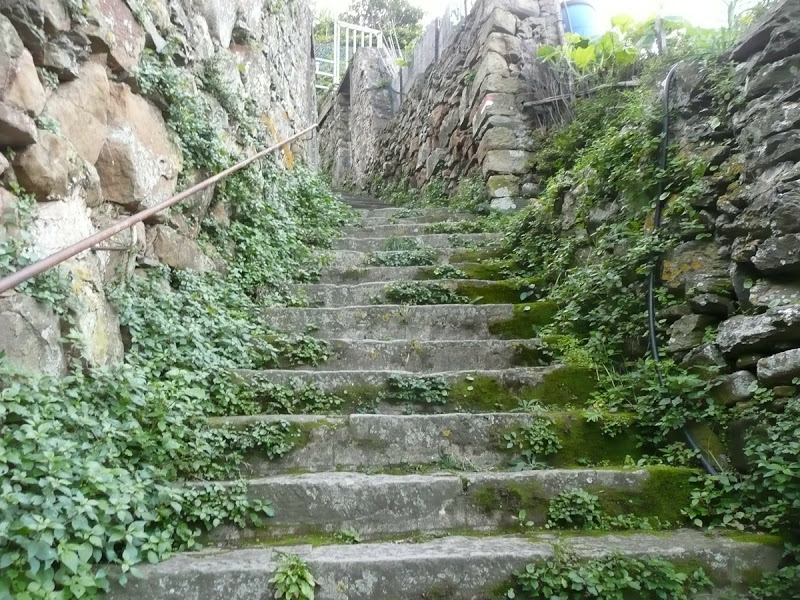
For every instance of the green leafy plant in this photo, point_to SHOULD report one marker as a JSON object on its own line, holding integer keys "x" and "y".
{"x": 401, "y": 389}
{"x": 348, "y": 536}
{"x": 419, "y": 293}
{"x": 611, "y": 578}
{"x": 574, "y": 509}
{"x": 449, "y": 272}
{"x": 293, "y": 580}
{"x": 403, "y": 258}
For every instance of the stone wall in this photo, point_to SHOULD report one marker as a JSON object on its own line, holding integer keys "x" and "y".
{"x": 76, "y": 133}
{"x": 753, "y": 260}
{"x": 466, "y": 111}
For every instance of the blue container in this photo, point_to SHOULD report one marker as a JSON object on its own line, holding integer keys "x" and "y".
{"x": 580, "y": 16}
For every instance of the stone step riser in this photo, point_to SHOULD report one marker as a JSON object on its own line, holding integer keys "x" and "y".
{"x": 350, "y": 259}
{"x": 360, "y": 442}
{"x": 395, "y": 322}
{"x": 437, "y": 240}
{"x": 431, "y": 356}
{"x": 385, "y": 230}
{"x": 362, "y": 294}
{"x": 414, "y": 219}
{"x": 358, "y": 275}
{"x": 457, "y": 568}
{"x": 387, "y": 505}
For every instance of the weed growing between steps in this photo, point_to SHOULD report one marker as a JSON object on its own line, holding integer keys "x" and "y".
{"x": 611, "y": 578}
{"x": 417, "y": 293}
{"x": 292, "y": 579}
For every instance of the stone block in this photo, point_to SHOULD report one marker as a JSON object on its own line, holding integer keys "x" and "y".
{"x": 696, "y": 268}
{"x": 779, "y": 255}
{"x": 519, "y": 8}
{"x": 502, "y": 186}
{"x": 506, "y": 45}
{"x": 111, "y": 27}
{"x": 499, "y": 20}
{"x": 734, "y": 388}
{"x": 769, "y": 294}
{"x": 747, "y": 334}
{"x": 779, "y": 368}
{"x": 687, "y": 332}
{"x": 17, "y": 129}
{"x": 514, "y": 162}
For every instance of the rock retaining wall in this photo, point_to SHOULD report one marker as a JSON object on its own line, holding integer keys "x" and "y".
{"x": 76, "y": 133}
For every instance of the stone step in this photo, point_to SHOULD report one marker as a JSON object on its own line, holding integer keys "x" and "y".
{"x": 456, "y": 568}
{"x": 462, "y": 391}
{"x": 339, "y": 275}
{"x": 435, "y": 240}
{"x": 468, "y": 291}
{"x": 398, "y": 322}
{"x": 433, "y": 355}
{"x": 399, "y": 213}
{"x": 384, "y": 505}
{"x": 391, "y": 229}
{"x": 414, "y": 217}
{"x": 403, "y": 443}
{"x": 349, "y": 259}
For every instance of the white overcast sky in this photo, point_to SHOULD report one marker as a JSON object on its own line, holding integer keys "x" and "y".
{"x": 707, "y": 13}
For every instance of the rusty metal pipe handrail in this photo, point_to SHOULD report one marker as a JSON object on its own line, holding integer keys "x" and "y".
{"x": 45, "y": 264}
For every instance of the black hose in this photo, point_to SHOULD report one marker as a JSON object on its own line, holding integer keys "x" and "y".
{"x": 651, "y": 300}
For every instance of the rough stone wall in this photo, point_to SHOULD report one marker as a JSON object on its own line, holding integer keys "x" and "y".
{"x": 466, "y": 111}
{"x": 753, "y": 261}
{"x": 76, "y": 133}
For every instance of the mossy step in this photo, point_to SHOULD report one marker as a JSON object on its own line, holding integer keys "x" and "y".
{"x": 394, "y": 391}
{"x": 409, "y": 443}
{"x": 492, "y": 271}
{"x": 397, "y": 213}
{"x": 393, "y": 322}
{"x": 434, "y": 240}
{"x": 454, "y": 567}
{"x": 352, "y": 259}
{"x": 462, "y": 291}
{"x": 434, "y": 355}
{"x": 401, "y": 228}
{"x": 381, "y": 505}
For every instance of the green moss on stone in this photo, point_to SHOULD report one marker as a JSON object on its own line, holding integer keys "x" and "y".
{"x": 665, "y": 494}
{"x": 530, "y": 356}
{"x": 527, "y": 317}
{"x": 501, "y": 292}
{"x": 469, "y": 255}
{"x": 567, "y": 385}
{"x": 584, "y": 442}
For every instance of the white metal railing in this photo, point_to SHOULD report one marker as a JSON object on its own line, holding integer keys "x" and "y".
{"x": 347, "y": 38}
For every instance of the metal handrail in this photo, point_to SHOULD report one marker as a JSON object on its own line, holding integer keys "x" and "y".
{"x": 45, "y": 264}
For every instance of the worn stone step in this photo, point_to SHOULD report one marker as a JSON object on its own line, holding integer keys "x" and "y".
{"x": 465, "y": 441}
{"x": 414, "y": 217}
{"x": 435, "y": 240}
{"x": 339, "y": 275}
{"x": 349, "y": 259}
{"x": 433, "y": 355}
{"x": 383, "y": 504}
{"x": 400, "y": 213}
{"x": 465, "y": 390}
{"x": 401, "y": 228}
{"x": 393, "y": 322}
{"x": 465, "y": 291}
{"x": 456, "y": 567}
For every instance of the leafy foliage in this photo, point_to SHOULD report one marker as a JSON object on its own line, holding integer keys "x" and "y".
{"x": 398, "y": 18}
{"x": 611, "y": 578}
{"x": 402, "y": 258}
{"x": 401, "y": 389}
{"x": 293, "y": 580}
{"x": 418, "y": 293}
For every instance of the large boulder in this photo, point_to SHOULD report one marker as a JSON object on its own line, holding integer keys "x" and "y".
{"x": 80, "y": 108}
{"x": 19, "y": 82}
{"x": 747, "y": 334}
{"x": 138, "y": 164}
{"x": 8, "y": 214}
{"x": 57, "y": 225}
{"x": 46, "y": 169}
{"x": 31, "y": 335}
{"x": 112, "y": 28}
{"x": 687, "y": 332}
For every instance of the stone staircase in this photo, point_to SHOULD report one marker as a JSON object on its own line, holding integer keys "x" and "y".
{"x": 428, "y": 487}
